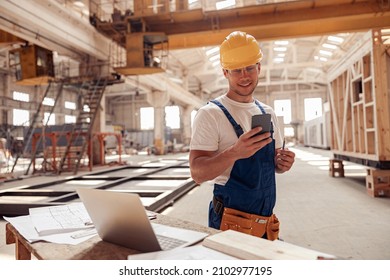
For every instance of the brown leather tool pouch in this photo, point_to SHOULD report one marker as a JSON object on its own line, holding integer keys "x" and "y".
{"x": 273, "y": 227}
{"x": 236, "y": 220}
{"x": 250, "y": 223}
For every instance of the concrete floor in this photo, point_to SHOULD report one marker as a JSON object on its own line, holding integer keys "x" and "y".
{"x": 331, "y": 215}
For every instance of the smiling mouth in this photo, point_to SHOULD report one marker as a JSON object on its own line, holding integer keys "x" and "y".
{"x": 245, "y": 84}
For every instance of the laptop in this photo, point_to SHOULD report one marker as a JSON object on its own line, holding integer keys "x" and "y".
{"x": 121, "y": 218}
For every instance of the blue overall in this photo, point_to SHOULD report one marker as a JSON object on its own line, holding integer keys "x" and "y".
{"x": 251, "y": 187}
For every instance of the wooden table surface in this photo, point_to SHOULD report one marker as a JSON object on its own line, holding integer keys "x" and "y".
{"x": 92, "y": 249}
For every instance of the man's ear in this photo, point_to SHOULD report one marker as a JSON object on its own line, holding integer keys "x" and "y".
{"x": 225, "y": 73}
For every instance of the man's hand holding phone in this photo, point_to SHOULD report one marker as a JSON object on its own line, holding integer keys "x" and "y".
{"x": 263, "y": 120}
{"x": 252, "y": 141}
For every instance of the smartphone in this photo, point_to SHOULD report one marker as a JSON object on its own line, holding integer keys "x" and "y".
{"x": 263, "y": 120}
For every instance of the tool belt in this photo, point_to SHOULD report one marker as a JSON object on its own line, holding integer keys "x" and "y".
{"x": 250, "y": 223}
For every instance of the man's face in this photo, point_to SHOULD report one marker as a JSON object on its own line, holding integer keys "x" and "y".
{"x": 243, "y": 81}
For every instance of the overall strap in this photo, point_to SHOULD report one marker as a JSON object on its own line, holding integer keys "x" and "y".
{"x": 236, "y": 126}
{"x": 260, "y": 107}
{"x": 263, "y": 112}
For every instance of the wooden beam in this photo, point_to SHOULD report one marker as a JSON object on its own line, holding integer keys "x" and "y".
{"x": 197, "y": 28}
{"x": 8, "y": 38}
{"x": 283, "y": 21}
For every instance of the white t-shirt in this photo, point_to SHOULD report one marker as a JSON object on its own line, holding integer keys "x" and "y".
{"x": 212, "y": 131}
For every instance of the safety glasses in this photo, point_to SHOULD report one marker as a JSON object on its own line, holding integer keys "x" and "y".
{"x": 238, "y": 72}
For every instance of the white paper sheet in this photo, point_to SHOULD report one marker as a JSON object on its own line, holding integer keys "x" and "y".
{"x": 60, "y": 219}
{"x": 65, "y": 224}
{"x": 25, "y": 227}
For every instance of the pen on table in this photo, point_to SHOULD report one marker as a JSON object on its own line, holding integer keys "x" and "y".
{"x": 84, "y": 233}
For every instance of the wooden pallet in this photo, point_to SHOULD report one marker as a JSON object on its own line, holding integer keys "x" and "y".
{"x": 336, "y": 168}
{"x": 378, "y": 182}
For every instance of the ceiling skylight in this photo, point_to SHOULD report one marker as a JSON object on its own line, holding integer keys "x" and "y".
{"x": 278, "y": 59}
{"x": 215, "y": 57}
{"x": 215, "y": 63}
{"x": 336, "y": 39}
{"x": 328, "y": 53}
{"x": 329, "y": 46}
{"x": 281, "y": 43}
{"x": 280, "y": 49}
{"x": 212, "y": 51}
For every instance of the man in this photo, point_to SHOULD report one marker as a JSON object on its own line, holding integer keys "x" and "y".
{"x": 225, "y": 149}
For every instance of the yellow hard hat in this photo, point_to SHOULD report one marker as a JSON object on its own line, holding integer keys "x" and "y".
{"x": 239, "y": 50}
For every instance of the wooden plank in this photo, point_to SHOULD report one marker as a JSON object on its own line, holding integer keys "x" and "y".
{"x": 346, "y": 115}
{"x": 248, "y": 247}
{"x": 361, "y": 128}
{"x": 367, "y": 66}
{"x": 355, "y": 129}
{"x": 335, "y": 143}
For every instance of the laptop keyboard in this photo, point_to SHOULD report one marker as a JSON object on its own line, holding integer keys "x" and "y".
{"x": 168, "y": 243}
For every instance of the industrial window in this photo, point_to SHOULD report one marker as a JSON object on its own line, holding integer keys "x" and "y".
{"x": 48, "y": 101}
{"x": 313, "y": 108}
{"x": 70, "y": 105}
{"x": 51, "y": 120}
{"x": 21, "y": 117}
{"x": 283, "y": 108}
{"x": 70, "y": 119}
{"x": 20, "y": 96}
{"x": 147, "y": 118}
{"x": 225, "y": 4}
{"x": 172, "y": 117}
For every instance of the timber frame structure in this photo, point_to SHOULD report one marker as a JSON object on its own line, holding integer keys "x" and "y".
{"x": 360, "y": 104}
